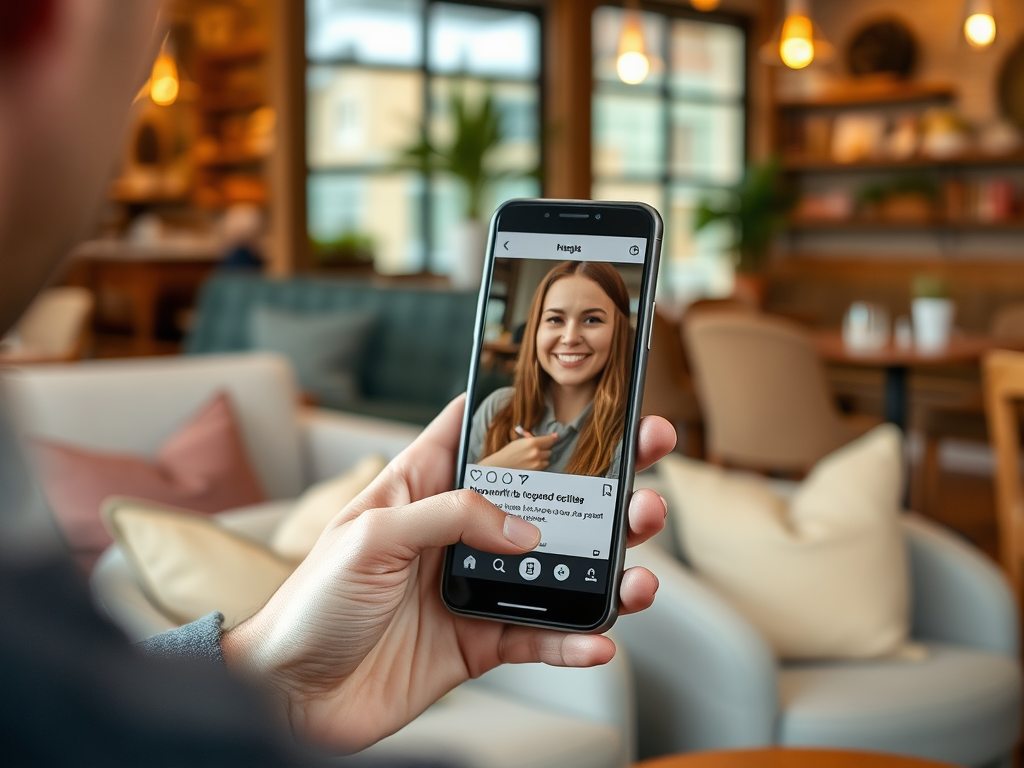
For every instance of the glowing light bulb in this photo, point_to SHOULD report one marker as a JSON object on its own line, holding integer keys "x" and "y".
{"x": 705, "y": 5}
{"x": 796, "y": 46}
{"x": 163, "y": 84}
{"x": 980, "y": 29}
{"x": 632, "y": 65}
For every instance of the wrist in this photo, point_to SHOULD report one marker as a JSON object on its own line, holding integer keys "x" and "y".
{"x": 246, "y": 655}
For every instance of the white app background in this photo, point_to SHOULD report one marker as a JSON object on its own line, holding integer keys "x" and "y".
{"x": 574, "y": 513}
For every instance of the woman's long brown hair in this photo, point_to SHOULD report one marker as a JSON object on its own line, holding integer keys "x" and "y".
{"x": 603, "y": 428}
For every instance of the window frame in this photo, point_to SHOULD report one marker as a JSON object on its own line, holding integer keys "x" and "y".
{"x": 426, "y": 207}
{"x": 667, "y": 99}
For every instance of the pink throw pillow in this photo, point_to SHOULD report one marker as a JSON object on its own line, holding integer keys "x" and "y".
{"x": 202, "y": 467}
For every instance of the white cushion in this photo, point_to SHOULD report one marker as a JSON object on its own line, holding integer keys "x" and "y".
{"x": 299, "y": 530}
{"x": 959, "y": 705}
{"x": 821, "y": 575}
{"x": 476, "y": 727}
{"x": 131, "y": 406}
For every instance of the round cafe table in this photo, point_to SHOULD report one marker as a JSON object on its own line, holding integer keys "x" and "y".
{"x": 897, "y": 362}
{"x": 788, "y": 758}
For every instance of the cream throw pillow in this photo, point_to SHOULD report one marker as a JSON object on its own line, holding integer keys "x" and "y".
{"x": 822, "y": 574}
{"x": 189, "y": 566}
{"x": 296, "y": 534}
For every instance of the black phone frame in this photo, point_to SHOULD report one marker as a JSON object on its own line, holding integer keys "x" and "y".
{"x": 566, "y": 609}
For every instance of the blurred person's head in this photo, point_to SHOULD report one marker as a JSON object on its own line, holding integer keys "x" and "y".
{"x": 68, "y": 72}
{"x": 577, "y": 337}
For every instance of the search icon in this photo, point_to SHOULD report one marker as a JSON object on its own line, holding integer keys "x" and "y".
{"x": 499, "y": 564}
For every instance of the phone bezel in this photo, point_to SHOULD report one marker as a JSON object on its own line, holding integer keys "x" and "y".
{"x": 570, "y": 609}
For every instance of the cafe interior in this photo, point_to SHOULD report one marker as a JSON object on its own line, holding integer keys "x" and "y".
{"x": 291, "y": 248}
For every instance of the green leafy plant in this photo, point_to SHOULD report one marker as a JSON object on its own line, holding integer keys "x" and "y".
{"x": 756, "y": 210}
{"x": 348, "y": 247}
{"x": 908, "y": 184}
{"x": 930, "y": 287}
{"x": 477, "y": 132}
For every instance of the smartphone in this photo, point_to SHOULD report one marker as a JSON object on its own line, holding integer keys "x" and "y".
{"x": 555, "y": 385}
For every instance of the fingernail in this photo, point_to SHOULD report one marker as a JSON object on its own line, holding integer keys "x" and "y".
{"x": 520, "y": 532}
{"x": 664, "y": 504}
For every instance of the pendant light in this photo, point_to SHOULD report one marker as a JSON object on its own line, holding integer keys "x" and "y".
{"x": 632, "y": 64}
{"x": 798, "y": 41}
{"x": 979, "y": 23}
{"x": 705, "y": 5}
{"x": 164, "y": 83}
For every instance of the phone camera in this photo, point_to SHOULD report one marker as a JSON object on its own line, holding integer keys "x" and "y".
{"x": 597, "y": 215}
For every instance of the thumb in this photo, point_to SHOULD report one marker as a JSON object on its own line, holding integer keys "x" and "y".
{"x": 548, "y": 440}
{"x": 400, "y": 534}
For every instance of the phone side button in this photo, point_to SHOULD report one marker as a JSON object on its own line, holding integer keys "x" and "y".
{"x": 524, "y": 607}
{"x": 650, "y": 333}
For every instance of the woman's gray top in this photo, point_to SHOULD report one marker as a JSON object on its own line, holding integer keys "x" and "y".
{"x": 561, "y": 451}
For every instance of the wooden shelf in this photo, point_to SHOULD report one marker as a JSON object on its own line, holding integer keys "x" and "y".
{"x": 153, "y": 199}
{"x": 797, "y": 163}
{"x": 881, "y": 225}
{"x": 235, "y": 54}
{"x": 235, "y": 103}
{"x": 874, "y": 95}
{"x": 230, "y": 160}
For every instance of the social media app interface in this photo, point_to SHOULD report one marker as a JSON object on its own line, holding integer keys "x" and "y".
{"x": 559, "y": 323}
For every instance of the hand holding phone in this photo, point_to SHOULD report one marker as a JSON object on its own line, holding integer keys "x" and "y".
{"x": 556, "y": 445}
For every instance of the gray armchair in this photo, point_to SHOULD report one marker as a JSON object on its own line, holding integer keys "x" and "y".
{"x": 707, "y": 680}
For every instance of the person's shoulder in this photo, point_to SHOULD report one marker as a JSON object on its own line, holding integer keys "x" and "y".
{"x": 495, "y": 401}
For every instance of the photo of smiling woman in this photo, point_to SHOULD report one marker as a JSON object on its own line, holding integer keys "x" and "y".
{"x": 565, "y": 411}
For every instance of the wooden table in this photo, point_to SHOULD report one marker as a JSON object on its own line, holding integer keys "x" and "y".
{"x": 897, "y": 362}
{"x": 143, "y": 275}
{"x": 788, "y": 758}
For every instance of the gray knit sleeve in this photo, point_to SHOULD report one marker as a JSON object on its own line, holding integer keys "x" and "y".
{"x": 199, "y": 640}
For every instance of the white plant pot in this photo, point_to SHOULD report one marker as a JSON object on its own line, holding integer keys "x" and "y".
{"x": 933, "y": 321}
{"x": 469, "y": 240}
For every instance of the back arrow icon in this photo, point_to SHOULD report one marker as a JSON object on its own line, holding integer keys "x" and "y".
{"x": 506, "y": 245}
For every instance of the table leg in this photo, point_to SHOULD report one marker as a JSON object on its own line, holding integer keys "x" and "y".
{"x": 896, "y": 396}
{"x": 896, "y": 413}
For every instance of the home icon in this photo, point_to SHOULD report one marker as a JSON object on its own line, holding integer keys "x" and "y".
{"x": 470, "y": 563}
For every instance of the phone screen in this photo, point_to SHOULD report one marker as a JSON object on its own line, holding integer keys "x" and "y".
{"x": 550, "y": 409}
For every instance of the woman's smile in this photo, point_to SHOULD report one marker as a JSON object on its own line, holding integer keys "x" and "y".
{"x": 571, "y": 359}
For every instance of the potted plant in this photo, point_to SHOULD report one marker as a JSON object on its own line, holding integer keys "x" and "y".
{"x": 932, "y": 310}
{"x": 476, "y": 134}
{"x": 348, "y": 249}
{"x": 756, "y": 211}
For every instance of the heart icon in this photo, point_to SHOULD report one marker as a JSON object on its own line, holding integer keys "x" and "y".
{"x": 476, "y": 474}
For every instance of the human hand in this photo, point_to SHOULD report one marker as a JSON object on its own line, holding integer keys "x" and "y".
{"x": 527, "y": 452}
{"x": 357, "y": 642}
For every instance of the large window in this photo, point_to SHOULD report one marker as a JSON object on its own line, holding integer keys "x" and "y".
{"x": 378, "y": 70}
{"x": 676, "y": 136}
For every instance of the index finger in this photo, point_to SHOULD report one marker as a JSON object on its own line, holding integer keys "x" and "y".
{"x": 657, "y": 438}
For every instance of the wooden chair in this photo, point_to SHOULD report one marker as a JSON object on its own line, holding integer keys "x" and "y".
{"x": 963, "y": 421}
{"x": 1003, "y": 383}
{"x": 763, "y": 394}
